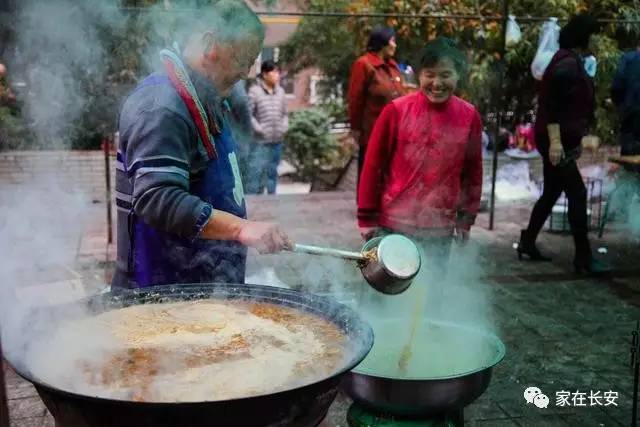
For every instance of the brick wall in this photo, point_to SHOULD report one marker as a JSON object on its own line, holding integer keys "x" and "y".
{"x": 84, "y": 169}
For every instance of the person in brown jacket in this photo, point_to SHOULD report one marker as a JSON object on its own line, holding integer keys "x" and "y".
{"x": 375, "y": 81}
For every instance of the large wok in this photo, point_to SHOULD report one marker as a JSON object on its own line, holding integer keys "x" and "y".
{"x": 302, "y": 406}
{"x": 448, "y": 391}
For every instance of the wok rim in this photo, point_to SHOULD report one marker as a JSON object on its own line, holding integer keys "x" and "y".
{"x": 359, "y": 353}
{"x": 500, "y": 354}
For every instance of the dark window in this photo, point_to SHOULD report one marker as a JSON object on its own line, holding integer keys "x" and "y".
{"x": 268, "y": 53}
{"x": 287, "y": 82}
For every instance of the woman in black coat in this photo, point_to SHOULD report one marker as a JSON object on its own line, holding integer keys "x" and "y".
{"x": 566, "y": 106}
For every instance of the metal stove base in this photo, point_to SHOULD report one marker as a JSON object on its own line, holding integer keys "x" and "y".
{"x": 357, "y": 416}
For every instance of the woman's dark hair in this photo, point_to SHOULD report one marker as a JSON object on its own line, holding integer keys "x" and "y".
{"x": 379, "y": 38}
{"x": 577, "y": 32}
{"x": 268, "y": 66}
{"x": 443, "y": 48}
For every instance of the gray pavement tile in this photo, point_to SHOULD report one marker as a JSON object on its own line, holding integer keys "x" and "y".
{"x": 631, "y": 282}
{"x": 542, "y": 421}
{"x": 493, "y": 423}
{"x": 621, "y": 330}
{"x": 482, "y": 409}
{"x": 26, "y": 407}
{"x": 48, "y": 421}
{"x": 20, "y": 389}
{"x": 9, "y": 373}
{"x": 622, "y": 381}
{"x": 27, "y": 422}
{"x": 337, "y": 415}
{"x": 577, "y": 364}
{"x": 622, "y": 412}
{"x": 518, "y": 408}
{"x": 593, "y": 418}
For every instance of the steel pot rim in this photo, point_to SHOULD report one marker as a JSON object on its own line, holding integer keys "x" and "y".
{"x": 499, "y": 356}
{"x": 357, "y": 356}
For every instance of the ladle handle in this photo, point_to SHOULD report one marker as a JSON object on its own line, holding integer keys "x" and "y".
{"x": 315, "y": 250}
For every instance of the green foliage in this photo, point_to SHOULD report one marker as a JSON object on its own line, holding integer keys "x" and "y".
{"x": 332, "y": 44}
{"x": 606, "y": 50}
{"x": 325, "y": 41}
{"x": 130, "y": 44}
{"x": 13, "y": 132}
{"x": 336, "y": 109}
{"x": 308, "y": 144}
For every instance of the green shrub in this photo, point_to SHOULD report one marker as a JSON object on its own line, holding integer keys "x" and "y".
{"x": 13, "y": 132}
{"x": 309, "y": 146}
{"x": 336, "y": 109}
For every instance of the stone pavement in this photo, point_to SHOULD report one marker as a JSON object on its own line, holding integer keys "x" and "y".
{"x": 562, "y": 331}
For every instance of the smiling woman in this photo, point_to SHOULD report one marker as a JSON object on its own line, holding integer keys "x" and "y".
{"x": 422, "y": 174}
{"x": 441, "y": 68}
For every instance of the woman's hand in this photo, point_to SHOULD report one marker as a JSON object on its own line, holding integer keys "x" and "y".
{"x": 590, "y": 142}
{"x": 555, "y": 143}
{"x": 555, "y": 153}
{"x": 368, "y": 233}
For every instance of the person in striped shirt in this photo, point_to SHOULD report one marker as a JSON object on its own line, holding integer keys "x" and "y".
{"x": 268, "y": 106}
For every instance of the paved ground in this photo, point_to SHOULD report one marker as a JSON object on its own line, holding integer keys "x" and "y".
{"x": 563, "y": 332}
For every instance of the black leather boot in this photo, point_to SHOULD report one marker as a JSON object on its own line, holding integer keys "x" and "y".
{"x": 592, "y": 267}
{"x": 584, "y": 260}
{"x": 527, "y": 246}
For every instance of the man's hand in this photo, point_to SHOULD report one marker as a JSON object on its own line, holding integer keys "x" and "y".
{"x": 555, "y": 143}
{"x": 266, "y": 237}
{"x": 368, "y": 233}
{"x": 590, "y": 142}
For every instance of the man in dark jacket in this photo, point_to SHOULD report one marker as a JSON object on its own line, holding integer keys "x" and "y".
{"x": 625, "y": 94}
{"x": 180, "y": 198}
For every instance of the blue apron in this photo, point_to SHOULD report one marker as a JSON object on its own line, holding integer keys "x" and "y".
{"x": 160, "y": 258}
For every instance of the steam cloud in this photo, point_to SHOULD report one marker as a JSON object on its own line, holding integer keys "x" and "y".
{"x": 58, "y": 48}
{"x": 57, "y": 43}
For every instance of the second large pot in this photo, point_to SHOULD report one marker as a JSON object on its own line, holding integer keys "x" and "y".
{"x": 373, "y": 385}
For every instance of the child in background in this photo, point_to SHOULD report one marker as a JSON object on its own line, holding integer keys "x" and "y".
{"x": 525, "y": 135}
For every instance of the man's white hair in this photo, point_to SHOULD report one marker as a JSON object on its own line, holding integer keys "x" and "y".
{"x": 223, "y": 22}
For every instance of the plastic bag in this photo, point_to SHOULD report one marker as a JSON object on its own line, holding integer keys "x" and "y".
{"x": 547, "y": 47}
{"x": 514, "y": 34}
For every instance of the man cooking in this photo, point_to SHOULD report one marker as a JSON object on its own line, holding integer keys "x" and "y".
{"x": 181, "y": 208}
